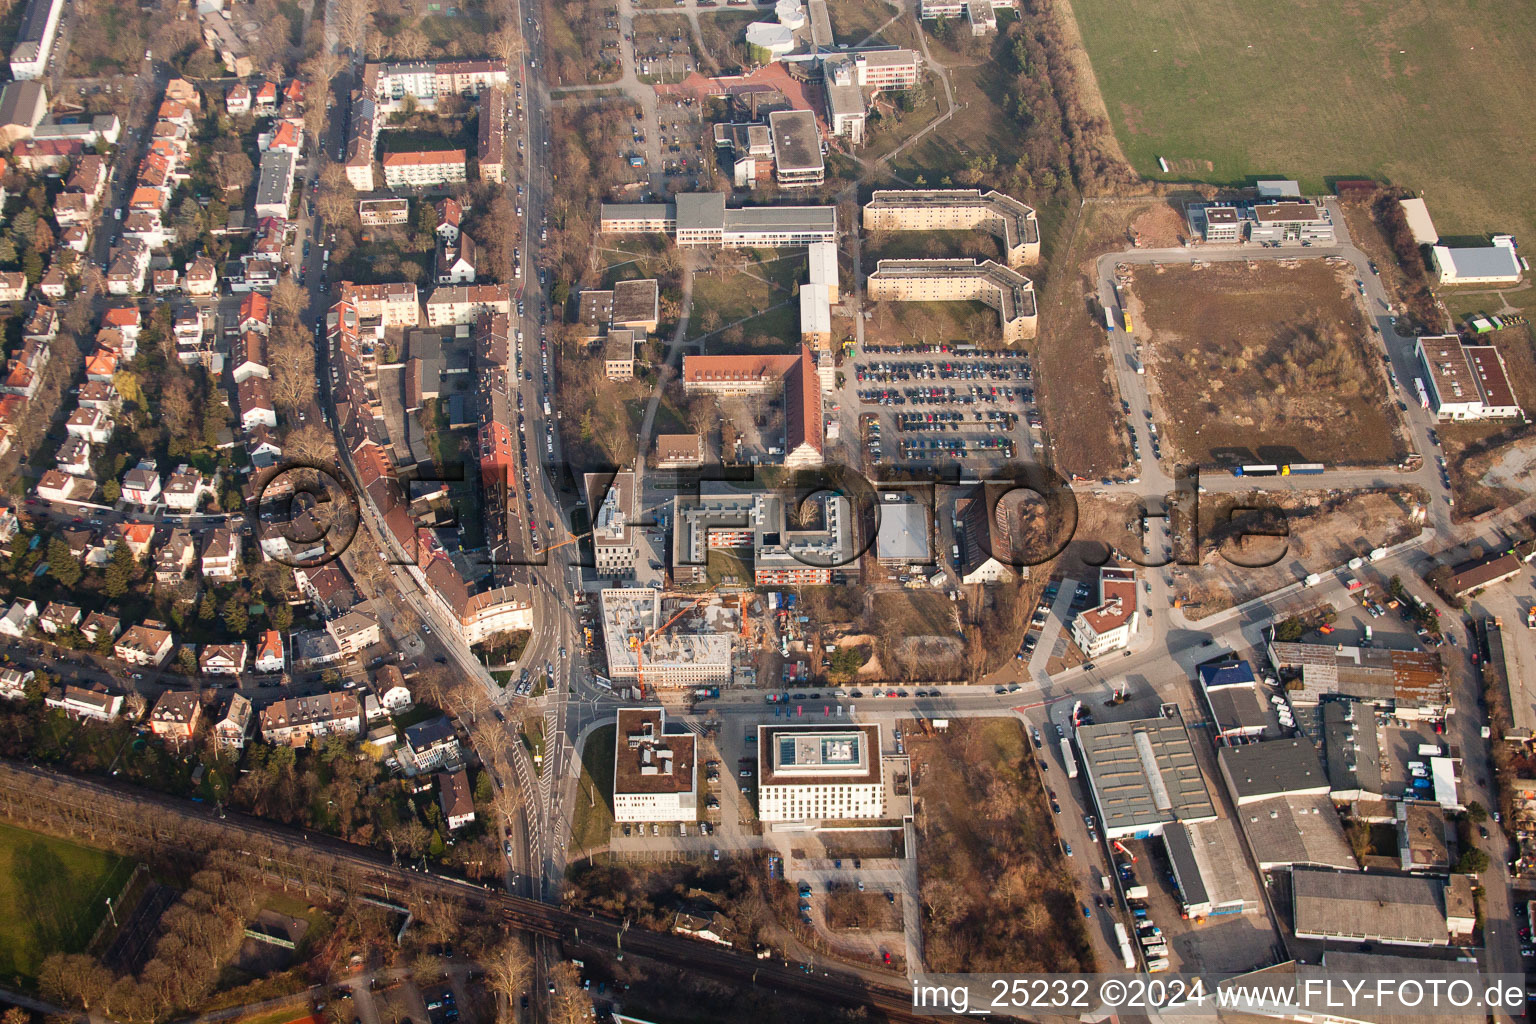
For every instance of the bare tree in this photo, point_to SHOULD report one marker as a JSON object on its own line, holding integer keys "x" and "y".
{"x": 508, "y": 972}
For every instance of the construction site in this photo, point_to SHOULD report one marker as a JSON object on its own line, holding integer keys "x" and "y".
{"x": 667, "y": 643}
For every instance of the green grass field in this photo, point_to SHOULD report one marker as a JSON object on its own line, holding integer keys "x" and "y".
{"x": 594, "y": 814}
{"x": 57, "y": 894}
{"x": 1437, "y": 97}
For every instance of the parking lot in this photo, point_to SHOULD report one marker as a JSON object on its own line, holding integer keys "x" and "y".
{"x": 940, "y": 403}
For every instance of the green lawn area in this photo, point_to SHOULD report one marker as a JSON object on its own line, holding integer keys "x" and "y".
{"x": 1424, "y": 95}
{"x": 721, "y": 564}
{"x": 594, "y": 813}
{"x": 57, "y": 893}
{"x": 980, "y": 128}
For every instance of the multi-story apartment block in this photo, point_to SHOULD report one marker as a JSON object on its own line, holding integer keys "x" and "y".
{"x": 297, "y": 720}
{"x": 959, "y": 209}
{"x": 423, "y": 169}
{"x": 492, "y": 130}
{"x": 389, "y": 305}
{"x": 464, "y": 304}
{"x": 35, "y": 38}
{"x": 232, "y": 728}
{"x": 428, "y": 745}
{"x": 946, "y": 280}
{"x": 221, "y": 554}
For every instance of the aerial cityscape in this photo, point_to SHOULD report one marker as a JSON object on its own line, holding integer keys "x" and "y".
{"x": 679, "y": 511}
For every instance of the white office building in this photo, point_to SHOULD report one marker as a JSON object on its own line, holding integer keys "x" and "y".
{"x": 819, "y": 773}
{"x": 655, "y": 772}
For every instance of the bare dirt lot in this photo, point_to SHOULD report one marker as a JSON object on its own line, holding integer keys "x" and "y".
{"x": 1264, "y": 362}
{"x": 1325, "y": 531}
{"x": 995, "y": 893}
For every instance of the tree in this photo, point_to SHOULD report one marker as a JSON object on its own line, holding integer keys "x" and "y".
{"x": 311, "y": 443}
{"x": 279, "y": 615}
{"x": 235, "y": 616}
{"x": 293, "y": 387}
{"x": 186, "y": 661}
{"x": 62, "y": 565}
{"x": 509, "y": 969}
{"x": 233, "y": 170}
{"x": 119, "y": 572}
{"x": 111, "y": 491}
{"x": 1476, "y": 813}
{"x": 1473, "y": 861}
{"x": 336, "y": 200}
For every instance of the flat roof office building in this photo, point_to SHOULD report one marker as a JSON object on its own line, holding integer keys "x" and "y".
{"x": 819, "y": 773}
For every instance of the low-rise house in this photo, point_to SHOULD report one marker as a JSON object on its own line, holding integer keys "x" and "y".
{"x": 222, "y": 659}
{"x": 58, "y": 618}
{"x": 202, "y": 277}
{"x": 354, "y": 632}
{"x": 91, "y": 424}
{"x": 315, "y": 648}
{"x": 256, "y": 409}
{"x": 238, "y": 100}
{"x": 389, "y": 688}
{"x": 144, "y": 644}
{"x": 14, "y": 682}
{"x": 13, "y": 287}
{"x": 186, "y": 489}
{"x": 455, "y": 799}
{"x": 94, "y": 703}
{"x": 230, "y": 731}
{"x": 175, "y": 715}
{"x": 55, "y": 285}
{"x": 56, "y": 485}
{"x": 328, "y": 587}
{"x": 175, "y": 557}
{"x": 269, "y": 652}
{"x": 98, "y": 626}
{"x": 297, "y": 720}
{"x": 449, "y": 214}
{"x": 141, "y": 485}
{"x": 94, "y": 394}
{"x": 137, "y": 537}
{"x": 19, "y": 617}
{"x": 250, "y": 357}
{"x": 74, "y": 457}
{"x": 221, "y": 554}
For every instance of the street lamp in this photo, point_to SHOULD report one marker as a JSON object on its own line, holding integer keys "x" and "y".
{"x": 112, "y": 911}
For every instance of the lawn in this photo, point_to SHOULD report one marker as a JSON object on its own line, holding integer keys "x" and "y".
{"x": 724, "y": 295}
{"x": 594, "y": 815}
{"x": 1425, "y": 95}
{"x": 1266, "y": 364}
{"x": 57, "y": 893}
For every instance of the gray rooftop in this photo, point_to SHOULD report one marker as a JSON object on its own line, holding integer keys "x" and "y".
{"x": 1364, "y": 907}
{"x": 1352, "y": 747}
{"x": 778, "y": 218}
{"x": 700, "y": 211}
{"x": 903, "y": 534}
{"x": 1209, "y": 863}
{"x": 1483, "y": 261}
{"x": 1255, "y": 771}
{"x": 1144, "y": 773}
{"x": 796, "y": 140}
{"x": 1288, "y": 830}
{"x": 276, "y": 176}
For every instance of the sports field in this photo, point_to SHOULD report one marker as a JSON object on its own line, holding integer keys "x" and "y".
{"x": 56, "y": 893}
{"x": 1436, "y": 96}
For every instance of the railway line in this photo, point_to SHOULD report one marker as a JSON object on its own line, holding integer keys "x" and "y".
{"x": 25, "y": 795}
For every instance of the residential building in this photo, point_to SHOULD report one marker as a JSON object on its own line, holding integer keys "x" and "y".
{"x": 14, "y": 682}
{"x": 492, "y": 135}
{"x": 89, "y": 424}
{"x": 455, "y": 261}
{"x": 232, "y": 728}
{"x": 1109, "y": 625}
{"x": 185, "y": 490}
{"x": 59, "y": 618}
{"x": 959, "y": 209}
{"x": 13, "y": 286}
{"x": 423, "y": 169}
{"x": 269, "y": 652}
{"x": 35, "y": 38}
{"x": 1496, "y": 264}
{"x": 354, "y": 632}
{"x": 55, "y": 485}
{"x": 141, "y": 485}
{"x": 222, "y": 659}
{"x": 655, "y": 771}
{"x": 611, "y": 504}
{"x": 813, "y": 773}
{"x": 455, "y": 799}
{"x": 297, "y": 720}
{"x": 175, "y": 715}
{"x": 274, "y": 187}
{"x": 389, "y": 690}
{"x": 98, "y": 626}
{"x": 952, "y": 280}
{"x": 388, "y": 305}
{"x": 93, "y": 703}
{"x": 464, "y": 304}
{"x": 19, "y": 618}
{"x": 144, "y": 645}
{"x": 175, "y": 557}
{"x": 428, "y": 745}
{"x": 256, "y": 409}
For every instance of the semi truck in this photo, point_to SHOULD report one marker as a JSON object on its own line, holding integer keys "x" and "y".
{"x": 1127, "y": 954}
{"x": 1067, "y": 758}
{"x": 707, "y": 692}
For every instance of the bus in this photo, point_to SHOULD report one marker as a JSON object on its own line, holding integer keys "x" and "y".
{"x": 1301, "y": 468}
{"x": 1256, "y": 470}
{"x": 1109, "y": 318}
{"x": 1127, "y": 315}
{"x": 1068, "y": 759}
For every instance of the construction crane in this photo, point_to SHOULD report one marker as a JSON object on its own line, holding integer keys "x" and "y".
{"x": 637, "y": 643}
